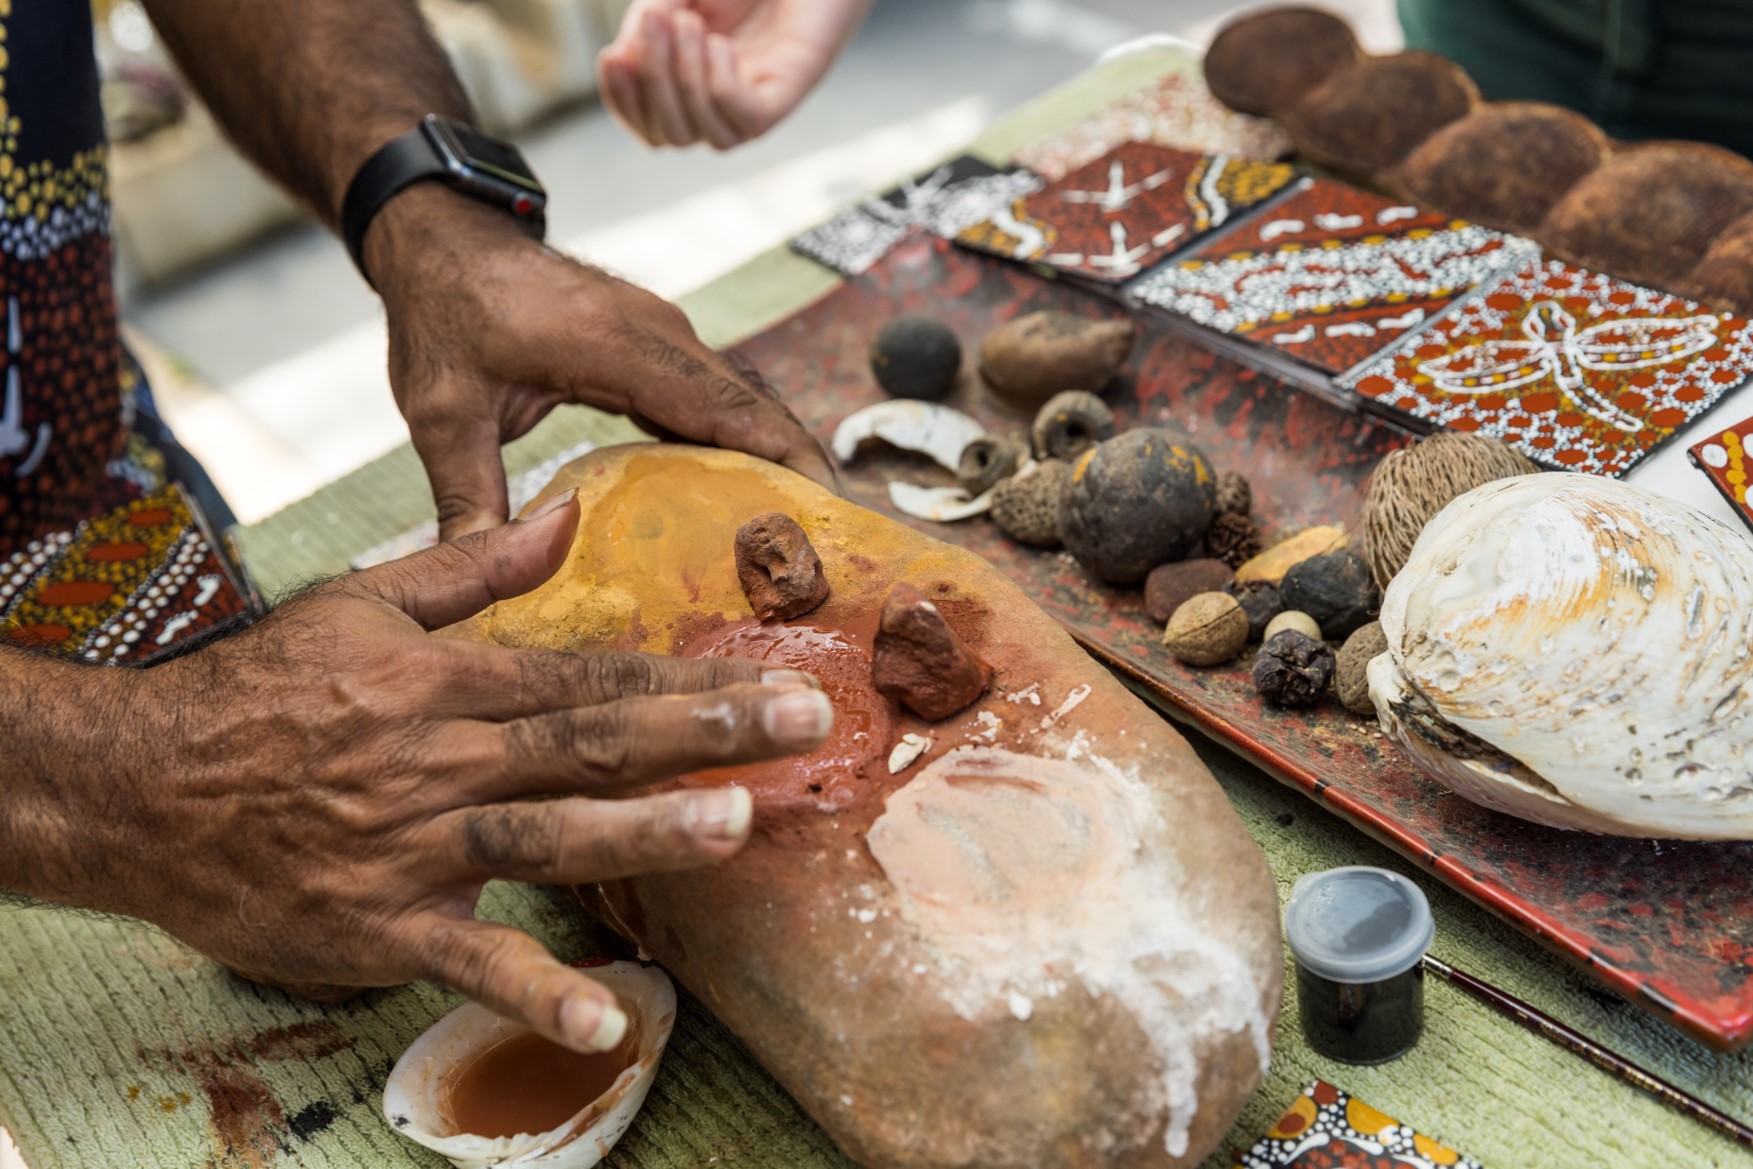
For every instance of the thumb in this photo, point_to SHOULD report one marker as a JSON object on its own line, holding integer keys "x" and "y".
{"x": 458, "y": 579}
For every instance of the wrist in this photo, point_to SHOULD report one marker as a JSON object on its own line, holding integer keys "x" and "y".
{"x": 429, "y": 224}
{"x": 68, "y": 781}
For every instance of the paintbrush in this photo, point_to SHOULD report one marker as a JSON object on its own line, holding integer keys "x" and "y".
{"x": 1541, "y": 1023}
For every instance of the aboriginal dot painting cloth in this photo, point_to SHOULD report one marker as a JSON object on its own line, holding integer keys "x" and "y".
{"x": 1575, "y": 369}
{"x": 1111, "y": 219}
{"x": 1328, "y": 1128}
{"x": 1726, "y": 462}
{"x": 1332, "y": 275}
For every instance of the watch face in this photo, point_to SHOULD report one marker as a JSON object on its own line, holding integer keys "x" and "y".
{"x": 475, "y": 150}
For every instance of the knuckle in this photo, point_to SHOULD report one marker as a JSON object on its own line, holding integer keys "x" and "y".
{"x": 501, "y": 840}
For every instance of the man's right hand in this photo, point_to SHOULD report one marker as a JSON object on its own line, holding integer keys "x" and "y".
{"x": 318, "y": 801}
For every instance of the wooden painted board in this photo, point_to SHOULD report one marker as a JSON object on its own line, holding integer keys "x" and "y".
{"x": 1667, "y": 925}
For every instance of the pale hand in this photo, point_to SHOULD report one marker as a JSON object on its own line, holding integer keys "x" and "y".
{"x": 720, "y": 71}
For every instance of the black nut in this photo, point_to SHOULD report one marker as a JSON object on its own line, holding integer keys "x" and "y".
{"x": 1293, "y": 669}
{"x": 1336, "y": 589}
{"x": 916, "y": 357}
{"x": 1260, "y": 601}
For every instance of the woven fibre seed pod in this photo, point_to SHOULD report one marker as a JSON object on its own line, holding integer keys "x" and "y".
{"x": 1369, "y": 117}
{"x": 1411, "y": 485}
{"x": 1477, "y": 167}
{"x": 1651, "y": 211}
{"x": 1265, "y": 61}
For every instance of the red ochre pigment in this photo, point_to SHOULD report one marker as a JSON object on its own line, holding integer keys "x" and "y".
{"x": 525, "y": 1084}
{"x": 840, "y": 660}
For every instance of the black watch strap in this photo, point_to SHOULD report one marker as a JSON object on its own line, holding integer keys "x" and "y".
{"x": 400, "y": 164}
{"x": 441, "y": 149}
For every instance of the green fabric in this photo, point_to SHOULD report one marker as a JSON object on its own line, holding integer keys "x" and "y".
{"x": 119, "y": 1048}
{"x": 1639, "y": 68}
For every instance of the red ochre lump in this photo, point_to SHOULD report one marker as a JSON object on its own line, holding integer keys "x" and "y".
{"x": 779, "y": 570}
{"x": 918, "y": 660}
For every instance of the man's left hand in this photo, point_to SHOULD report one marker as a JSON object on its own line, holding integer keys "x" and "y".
{"x": 490, "y": 330}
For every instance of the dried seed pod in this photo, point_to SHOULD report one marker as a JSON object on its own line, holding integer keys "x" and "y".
{"x": 1136, "y": 501}
{"x": 1233, "y": 539}
{"x": 918, "y": 660}
{"x": 988, "y": 461}
{"x": 1293, "y": 670}
{"x": 1234, "y": 495}
{"x": 1071, "y": 423}
{"x": 1351, "y": 681}
{"x": 1260, "y": 601}
{"x": 1026, "y": 507}
{"x": 1207, "y": 629}
{"x": 1411, "y": 485}
{"x": 1367, "y": 118}
{"x": 1170, "y": 586}
{"x": 1036, "y": 356}
{"x": 1335, "y": 589}
{"x": 916, "y": 357}
{"x": 779, "y": 570}
{"x": 1477, "y": 167}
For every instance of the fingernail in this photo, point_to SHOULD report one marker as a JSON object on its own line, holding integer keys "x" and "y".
{"x": 798, "y": 718}
{"x": 790, "y": 680}
{"x": 553, "y": 505}
{"x": 592, "y": 1025}
{"x": 724, "y": 814}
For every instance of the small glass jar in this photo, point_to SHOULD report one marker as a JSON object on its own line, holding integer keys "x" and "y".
{"x": 1358, "y": 935}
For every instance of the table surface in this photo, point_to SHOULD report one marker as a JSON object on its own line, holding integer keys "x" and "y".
{"x": 119, "y": 1048}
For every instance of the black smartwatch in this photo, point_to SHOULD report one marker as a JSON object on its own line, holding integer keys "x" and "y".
{"x": 460, "y": 157}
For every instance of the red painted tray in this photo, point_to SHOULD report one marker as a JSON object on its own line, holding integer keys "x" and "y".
{"x": 1667, "y": 925}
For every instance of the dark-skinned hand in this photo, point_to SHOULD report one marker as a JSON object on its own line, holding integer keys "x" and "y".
{"x": 317, "y": 802}
{"x": 490, "y": 330}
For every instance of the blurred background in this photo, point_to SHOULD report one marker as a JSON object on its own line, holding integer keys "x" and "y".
{"x": 267, "y": 350}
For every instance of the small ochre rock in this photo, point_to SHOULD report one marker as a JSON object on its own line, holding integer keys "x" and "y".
{"x": 1293, "y": 670}
{"x": 1071, "y": 423}
{"x": 1136, "y": 501}
{"x": 916, "y": 357}
{"x": 1169, "y": 586}
{"x": 1351, "y": 668}
{"x": 1292, "y": 619}
{"x": 1260, "y": 601}
{"x": 778, "y": 568}
{"x": 990, "y": 460}
{"x": 1335, "y": 589}
{"x": 1026, "y": 507}
{"x": 918, "y": 660}
{"x": 1272, "y": 564}
{"x": 1036, "y": 356}
{"x": 1206, "y": 630}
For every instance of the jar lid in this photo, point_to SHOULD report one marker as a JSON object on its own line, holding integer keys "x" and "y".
{"x": 1357, "y": 924}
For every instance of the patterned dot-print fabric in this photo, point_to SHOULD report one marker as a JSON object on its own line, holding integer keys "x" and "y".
{"x": 61, "y": 414}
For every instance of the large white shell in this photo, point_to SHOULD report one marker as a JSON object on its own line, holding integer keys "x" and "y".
{"x": 414, "y": 1098}
{"x": 1599, "y": 637}
{"x": 928, "y": 428}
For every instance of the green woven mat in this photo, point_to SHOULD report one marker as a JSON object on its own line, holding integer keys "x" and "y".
{"x": 119, "y": 1049}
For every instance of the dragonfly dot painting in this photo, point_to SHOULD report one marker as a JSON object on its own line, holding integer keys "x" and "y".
{"x": 1574, "y": 368}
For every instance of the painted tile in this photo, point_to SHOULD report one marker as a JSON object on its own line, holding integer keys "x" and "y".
{"x": 1333, "y": 274}
{"x": 1177, "y": 110}
{"x": 1111, "y": 219}
{"x": 1328, "y": 1128}
{"x": 1724, "y": 459}
{"x": 1574, "y": 368}
{"x": 121, "y": 587}
{"x": 944, "y": 201}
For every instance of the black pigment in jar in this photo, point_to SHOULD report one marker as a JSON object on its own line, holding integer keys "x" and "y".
{"x": 1358, "y": 935}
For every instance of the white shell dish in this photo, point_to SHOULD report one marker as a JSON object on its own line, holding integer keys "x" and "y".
{"x": 415, "y": 1097}
{"x": 1577, "y": 652}
{"x": 938, "y": 432}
